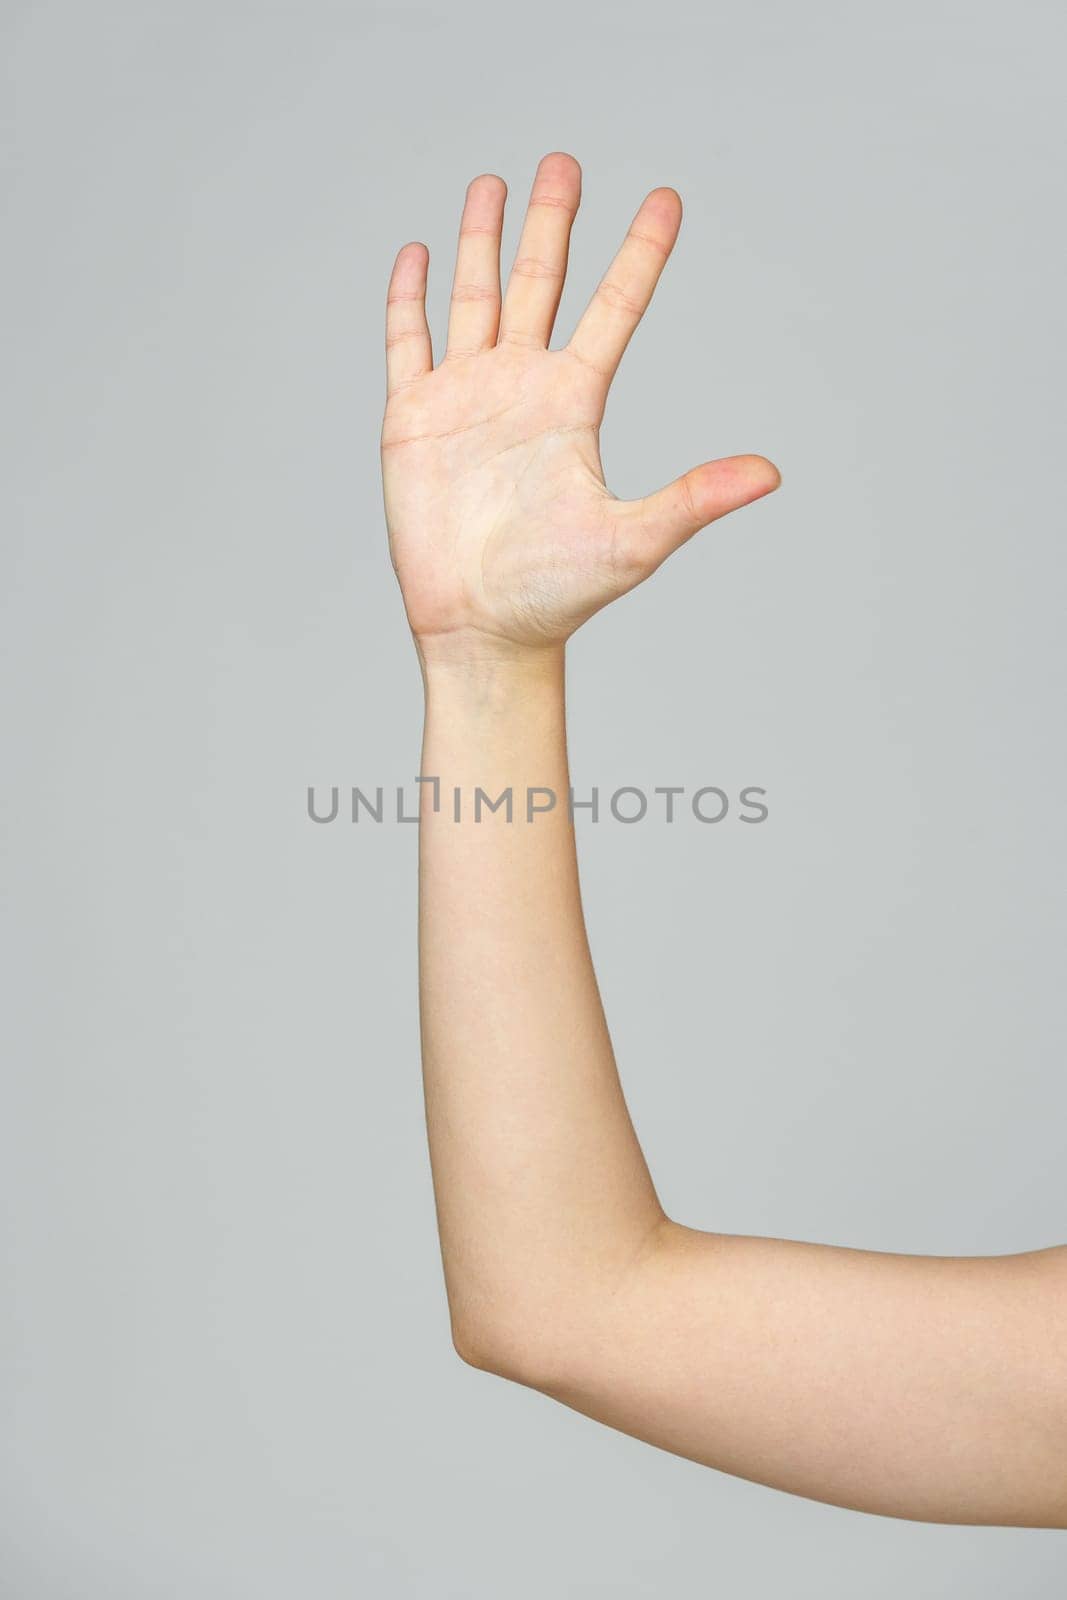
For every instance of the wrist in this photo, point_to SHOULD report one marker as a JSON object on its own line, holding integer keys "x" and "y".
{"x": 488, "y": 669}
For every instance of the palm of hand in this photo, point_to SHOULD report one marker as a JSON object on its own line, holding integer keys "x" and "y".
{"x": 500, "y": 521}
{"x": 502, "y": 530}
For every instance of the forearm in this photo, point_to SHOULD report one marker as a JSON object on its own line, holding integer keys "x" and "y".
{"x": 543, "y": 1194}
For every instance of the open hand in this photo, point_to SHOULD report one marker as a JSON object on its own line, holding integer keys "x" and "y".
{"x": 503, "y": 533}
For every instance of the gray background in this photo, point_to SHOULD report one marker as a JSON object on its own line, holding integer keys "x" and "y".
{"x": 226, "y": 1366}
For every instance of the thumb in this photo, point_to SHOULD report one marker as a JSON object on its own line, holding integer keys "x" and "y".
{"x": 662, "y": 521}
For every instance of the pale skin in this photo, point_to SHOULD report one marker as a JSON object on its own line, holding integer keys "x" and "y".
{"x": 925, "y": 1387}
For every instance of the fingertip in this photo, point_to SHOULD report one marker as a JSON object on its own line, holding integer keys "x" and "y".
{"x": 666, "y": 200}
{"x": 558, "y": 176}
{"x": 560, "y": 161}
{"x": 748, "y": 471}
{"x": 734, "y": 481}
{"x": 765, "y": 472}
{"x": 490, "y": 182}
{"x": 410, "y": 269}
{"x": 659, "y": 216}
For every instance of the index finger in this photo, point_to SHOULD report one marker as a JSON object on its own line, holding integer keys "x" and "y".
{"x": 621, "y": 298}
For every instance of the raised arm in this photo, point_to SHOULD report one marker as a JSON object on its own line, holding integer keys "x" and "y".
{"x": 922, "y": 1387}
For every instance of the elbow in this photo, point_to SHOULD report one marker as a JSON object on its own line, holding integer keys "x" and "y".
{"x": 539, "y": 1350}
{"x": 474, "y": 1349}
{"x": 553, "y": 1332}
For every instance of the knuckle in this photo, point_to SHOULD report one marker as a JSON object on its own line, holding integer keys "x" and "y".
{"x": 550, "y": 201}
{"x": 603, "y": 373}
{"x": 688, "y": 500}
{"x": 463, "y": 292}
{"x": 536, "y": 267}
{"x": 518, "y": 336}
{"x": 619, "y": 298}
{"x": 650, "y": 239}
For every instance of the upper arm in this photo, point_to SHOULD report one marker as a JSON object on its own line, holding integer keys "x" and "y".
{"x": 914, "y": 1386}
